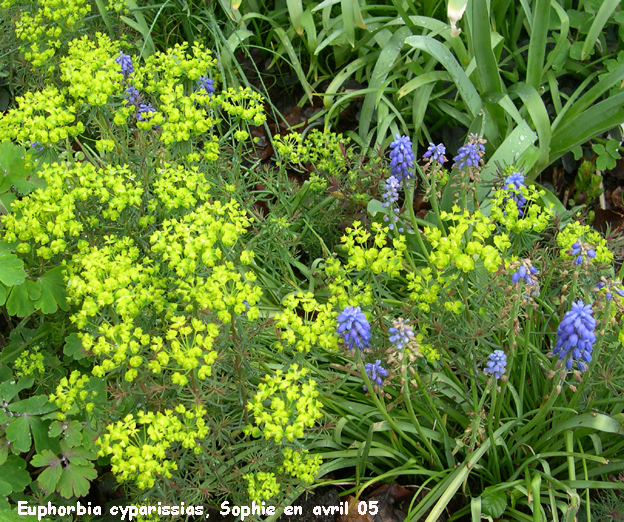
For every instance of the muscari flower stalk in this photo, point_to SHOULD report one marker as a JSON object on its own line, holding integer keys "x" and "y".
{"x": 206, "y": 84}
{"x": 401, "y": 158}
{"x": 125, "y": 62}
{"x": 525, "y": 271}
{"x": 576, "y": 337}
{"x": 470, "y": 154}
{"x": 580, "y": 249}
{"x": 354, "y": 328}
{"x": 375, "y": 373}
{"x": 436, "y": 153}
{"x": 513, "y": 185}
{"x": 144, "y": 110}
{"x": 391, "y": 195}
{"x": 496, "y": 364}
{"x": 402, "y": 333}
{"x": 615, "y": 286}
{"x": 133, "y": 96}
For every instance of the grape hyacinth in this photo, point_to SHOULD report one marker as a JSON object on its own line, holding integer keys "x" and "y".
{"x": 354, "y": 327}
{"x": 526, "y": 272}
{"x": 575, "y": 336}
{"x": 133, "y": 96}
{"x": 580, "y": 249}
{"x": 471, "y": 153}
{"x": 514, "y": 184}
{"x": 144, "y": 110}
{"x": 125, "y": 62}
{"x": 206, "y": 84}
{"x": 391, "y": 195}
{"x": 496, "y": 364}
{"x": 614, "y": 286}
{"x": 375, "y": 373}
{"x": 36, "y": 145}
{"x": 402, "y": 333}
{"x": 402, "y": 158}
{"x": 436, "y": 153}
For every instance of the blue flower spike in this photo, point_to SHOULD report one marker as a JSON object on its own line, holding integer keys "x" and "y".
{"x": 206, "y": 84}
{"x": 576, "y": 337}
{"x": 527, "y": 272}
{"x": 125, "y": 62}
{"x": 402, "y": 333}
{"x": 496, "y": 364}
{"x": 402, "y": 158}
{"x": 354, "y": 328}
{"x": 471, "y": 154}
{"x": 513, "y": 185}
{"x": 375, "y": 373}
{"x": 610, "y": 288}
{"x": 436, "y": 153}
{"x": 580, "y": 250}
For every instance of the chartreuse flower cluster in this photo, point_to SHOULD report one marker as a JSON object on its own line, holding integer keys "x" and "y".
{"x": 49, "y": 217}
{"x": 70, "y": 394}
{"x": 29, "y": 362}
{"x": 454, "y": 249}
{"x": 90, "y": 70}
{"x": 515, "y": 206}
{"x": 162, "y": 94}
{"x": 282, "y": 407}
{"x": 300, "y": 464}
{"x": 141, "y": 454}
{"x": 44, "y": 23}
{"x": 379, "y": 258}
{"x": 46, "y": 117}
{"x": 261, "y": 486}
{"x": 575, "y": 238}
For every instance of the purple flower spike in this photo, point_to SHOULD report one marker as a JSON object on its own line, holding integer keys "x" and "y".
{"x": 436, "y": 153}
{"x": 375, "y": 373}
{"x": 125, "y": 62}
{"x": 354, "y": 328}
{"x": 575, "y": 336}
{"x": 496, "y": 364}
{"x": 402, "y": 158}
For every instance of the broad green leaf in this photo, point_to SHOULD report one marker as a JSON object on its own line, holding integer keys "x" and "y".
{"x": 53, "y": 294}
{"x": 49, "y": 478}
{"x": 494, "y": 503}
{"x": 71, "y": 432}
{"x": 10, "y": 389}
{"x": 43, "y": 441}
{"x": 37, "y": 405}
{"x": 13, "y": 472}
{"x": 18, "y": 432}
{"x": 3, "y": 294}
{"x": 73, "y": 347}
{"x": 11, "y": 269}
{"x": 22, "y": 298}
{"x": 12, "y": 165}
{"x": 75, "y": 479}
{"x": 45, "y": 458}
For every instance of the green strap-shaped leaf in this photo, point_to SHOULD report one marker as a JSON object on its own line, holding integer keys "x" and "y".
{"x": 466, "y": 89}
{"x": 600, "y": 20}
{"x": 383, "y": 66}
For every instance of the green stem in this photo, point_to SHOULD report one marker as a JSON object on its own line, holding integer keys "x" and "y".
{"x": 409, "y": 191}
